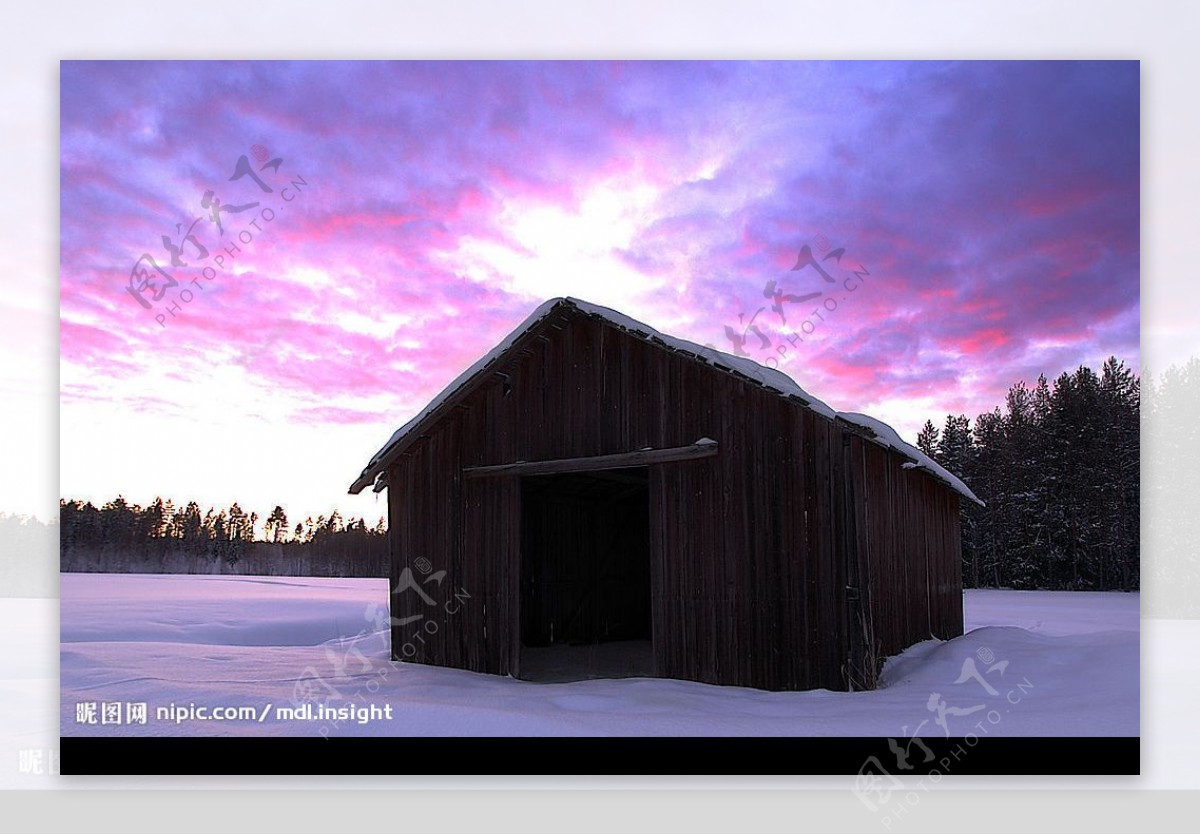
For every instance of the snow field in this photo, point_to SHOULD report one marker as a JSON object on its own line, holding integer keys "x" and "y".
{"x": 1031, "y": 664}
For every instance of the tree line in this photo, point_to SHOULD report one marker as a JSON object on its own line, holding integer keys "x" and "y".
{"x": 28, "y": 549}
{"x": 1172, "y": 466}
{"x": 1058, "y": 470}
{"x": 163, "y": 537}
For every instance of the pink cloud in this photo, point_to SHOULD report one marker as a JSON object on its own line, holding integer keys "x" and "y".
{"x": 994, "y": 206}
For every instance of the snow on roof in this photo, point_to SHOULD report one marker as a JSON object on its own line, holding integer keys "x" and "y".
{"x": 876, "y": 430}
{"x": 888, "y": 437}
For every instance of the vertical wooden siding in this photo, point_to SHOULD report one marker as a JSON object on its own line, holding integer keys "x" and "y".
{"x": 751, "y": 550}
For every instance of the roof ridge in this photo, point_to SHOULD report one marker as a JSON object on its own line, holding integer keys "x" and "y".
{"x": 743, "y": 367}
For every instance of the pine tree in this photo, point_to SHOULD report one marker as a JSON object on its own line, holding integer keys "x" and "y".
{"x": 276, "y": 526}
{"x": 927, "y": 439}
{"x": 1058, "y": 471}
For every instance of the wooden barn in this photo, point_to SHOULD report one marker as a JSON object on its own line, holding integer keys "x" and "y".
{"x": 594, "y": 498}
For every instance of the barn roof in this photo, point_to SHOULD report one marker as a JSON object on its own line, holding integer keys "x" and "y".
{"x": 743, "y": 367}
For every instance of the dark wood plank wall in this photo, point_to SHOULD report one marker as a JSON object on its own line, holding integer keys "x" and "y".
{"x": 909, "y": 551}
{"x": 751, "y": 550}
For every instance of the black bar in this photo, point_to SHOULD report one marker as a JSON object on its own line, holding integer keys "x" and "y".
{"x": 596, "y": 755}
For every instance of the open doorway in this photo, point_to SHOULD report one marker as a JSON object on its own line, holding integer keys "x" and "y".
{"x": 585, "y": 576}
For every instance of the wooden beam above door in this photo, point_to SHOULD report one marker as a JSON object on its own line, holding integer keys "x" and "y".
{"x": 703, "y": 448}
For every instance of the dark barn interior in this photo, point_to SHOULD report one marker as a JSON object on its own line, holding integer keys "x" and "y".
{"x": 585, "y": 575}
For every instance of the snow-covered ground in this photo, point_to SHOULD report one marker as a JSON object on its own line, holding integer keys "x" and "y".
{"x": 1047, "y": 664}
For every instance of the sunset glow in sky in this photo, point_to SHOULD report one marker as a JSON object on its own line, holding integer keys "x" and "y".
{"x": 418, "y": 212}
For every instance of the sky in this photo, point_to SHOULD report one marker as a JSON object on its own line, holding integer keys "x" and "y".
{"x": 267, "y": 267}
